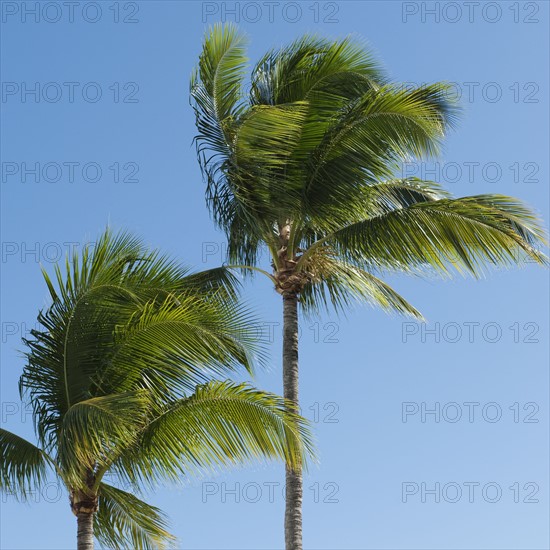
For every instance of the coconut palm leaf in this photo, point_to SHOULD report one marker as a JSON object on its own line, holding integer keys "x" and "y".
{"x": 464, "y": 234}
{"x": 339, "y": 285}
{"x": 23, "y": 466}
{"x": 175, "y": 344}
{"x": 125, "y": 521}
{"x": 314, "y": 68}
{"x": 223, "y": 424}
{"x": 94, "y": 429}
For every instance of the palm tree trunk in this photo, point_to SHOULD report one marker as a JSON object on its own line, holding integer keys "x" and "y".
{"x": 85, "y": 533}
{"x": 293, "y": 511}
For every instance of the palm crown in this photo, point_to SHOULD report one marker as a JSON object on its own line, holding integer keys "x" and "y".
{"x": 120, "y": 380}
{"x": 307, "y": 163}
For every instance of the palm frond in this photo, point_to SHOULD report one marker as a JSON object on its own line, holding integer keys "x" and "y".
{"x": 317, "y": 69}
{"x": 108, "y": 287}
{"x": 219, "y": 283}
{"x": 96, "y": 429}
{"x": 265, "y": 140}
{"x": 463, "y": 234}
{"x": 125, "y": 521}
{"x": 171, "y": 346}
{"x": 338, "y": 285}
{"x": 371, "y": 136}
{"x": 23, "y": 466}
{"x": 216, "y": 97}
{"x": 221, "y": 424}
{"x": 221, "y": 67}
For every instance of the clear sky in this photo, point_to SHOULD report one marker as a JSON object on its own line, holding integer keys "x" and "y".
{"x": 109, "y": 128}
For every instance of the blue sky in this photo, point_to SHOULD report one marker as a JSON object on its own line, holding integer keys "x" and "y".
{"x": 109, "y": 128}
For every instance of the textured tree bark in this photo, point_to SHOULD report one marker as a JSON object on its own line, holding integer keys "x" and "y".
{"x": 293, "y": 510}
{"x": 85, "y": 532}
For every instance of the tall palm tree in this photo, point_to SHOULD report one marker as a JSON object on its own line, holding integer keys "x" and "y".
{"x": 306, "y": 163}
{"x": 120, "y": 380}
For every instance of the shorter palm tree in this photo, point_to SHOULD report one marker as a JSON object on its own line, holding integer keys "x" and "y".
{"x": 120, "y": 380}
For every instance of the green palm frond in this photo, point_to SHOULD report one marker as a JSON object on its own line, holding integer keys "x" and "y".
{"x": 339, "y": 285}
{"x": 245, "y": 237}
{"x": 317, "y": 69}
{"x": 221, "y": 424}
{"x": 389, "y": 195}
{"x": 370, "y": 137}
{"x": 23, "y": 466}
{"x": 94, "y": 429}
{"x": 125, "y": 521}
{"x": 270, "y": 131}
{"x": 80, "y": 296}
{"x": 220, "y": 284}
{"x": 174, "y": 345}
{"x": 216, "y": 94}
{"x": 464, "y": 233}
{"x": 367, "y": 201}
{"x": 222, "y": 65}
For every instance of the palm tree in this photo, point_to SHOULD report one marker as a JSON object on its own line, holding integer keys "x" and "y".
{"x": 120, "y": 379}
{"x": 306, "y": 164}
